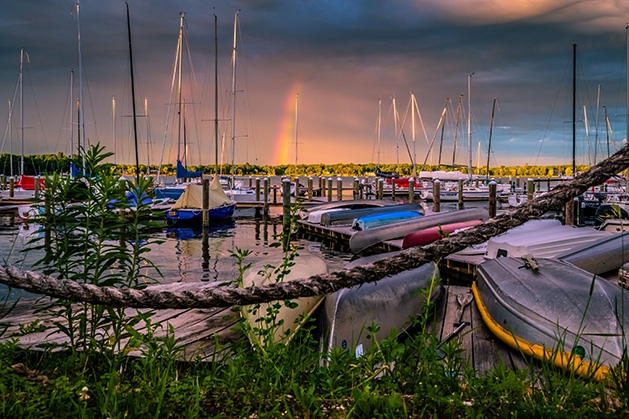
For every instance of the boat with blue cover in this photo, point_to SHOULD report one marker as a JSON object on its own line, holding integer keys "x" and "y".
{"x": 377, "y": 220}
{"x": 188, "y": 208}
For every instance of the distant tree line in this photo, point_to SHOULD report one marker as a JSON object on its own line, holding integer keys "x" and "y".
{"x": 42, "y": 164}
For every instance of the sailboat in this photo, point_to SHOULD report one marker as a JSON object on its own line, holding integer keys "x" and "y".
{"x": 183, "y": 175}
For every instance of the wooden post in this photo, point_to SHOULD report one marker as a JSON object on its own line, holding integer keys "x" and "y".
{"x": 393, "y": 189}
{"x": 436, "y": 195}
{"x": 339, "y": 188}
{"x": 492, "y": 199}
{"x": 356, "y": 188}
{"x": 36, "y": 187}
{"x": 296, "y": 188}
{"x": 258, "y": 189}
{"x": 569, "y": 213}
{"x": 380, "y": 187}
{"x": 11, "y": 187}
{"x": 205, "y": 222}
{"x": 411, "y": 190}
{"x": 286, "y": 213}
{"x": 322, "y": 186}
{"x": 461, "y": 204}
{"x": 530, "y": 189}
{"x": 329, "y": 189}
{"x": 267, "y": 191}
{"x": 250, "y": 181}
{"x": 3, "y": 182}
{"x": 310, "y": 188}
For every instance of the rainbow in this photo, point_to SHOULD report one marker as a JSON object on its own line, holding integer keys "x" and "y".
{"x": 286, "y": 134}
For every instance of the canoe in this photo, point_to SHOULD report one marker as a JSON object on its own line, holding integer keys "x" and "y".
{"x": 347, "y": 217}
{"x": 391, "y": 303}
{"x": 554, "y": 310}
{"x": 289, "y": 319}
{"x": 349, "y": 204}
{"x": 600, "y": 256}
{"x": 362, "y": 240}
{"x": 376, "y": 220}
{"x": 542, "y": 240}
{"x": 431, "y": 234}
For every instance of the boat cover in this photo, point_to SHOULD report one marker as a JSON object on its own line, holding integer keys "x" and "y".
{"x": 192, "y": 196}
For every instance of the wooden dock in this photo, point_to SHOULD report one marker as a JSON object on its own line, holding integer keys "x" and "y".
{"x": 198, "y": 331}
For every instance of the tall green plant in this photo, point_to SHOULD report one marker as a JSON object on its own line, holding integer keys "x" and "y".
{"x": 94, "y": 234}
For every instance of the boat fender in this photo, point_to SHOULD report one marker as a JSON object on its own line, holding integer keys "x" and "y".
{"x": 530, "y": 262}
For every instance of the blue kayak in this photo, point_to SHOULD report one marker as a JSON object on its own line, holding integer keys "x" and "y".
{"x": 376, "y": 220}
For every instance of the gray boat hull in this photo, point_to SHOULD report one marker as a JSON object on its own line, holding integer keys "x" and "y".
{"x": 552, "y": 309}
{"x": 601, "y": 256}
{"x": 390, "y": 303}
{"x": 346, "y": 217}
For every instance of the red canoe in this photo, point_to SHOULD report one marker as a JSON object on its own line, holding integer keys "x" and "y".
{"x": 431, "y": 234}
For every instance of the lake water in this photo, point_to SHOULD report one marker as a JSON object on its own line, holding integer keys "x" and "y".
{"x": 182, "y": 257}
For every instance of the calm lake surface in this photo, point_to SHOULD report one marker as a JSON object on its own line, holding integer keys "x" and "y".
{"x": 182, "y": 257}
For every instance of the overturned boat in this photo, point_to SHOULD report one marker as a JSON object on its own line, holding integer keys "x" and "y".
{"x": 552, "y": 310}
{"x": 390, "y": 303}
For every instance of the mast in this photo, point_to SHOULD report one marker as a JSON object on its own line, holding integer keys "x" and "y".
{"x": 606, "y": 128}
{"x": 10, "y": 127}
{"x": 22, "y": 52}
{"x": 234, "y": 55}
{"x": 216, "y": 95}
{"x": 148, "y": 136}
{"x": 135, "y": 125}
{"x": 397, "y": 139}
{"x": 491, "y": 130}
{"x": 113, "y": 124}
{"x": 574, "y": 109}
{"x": 443, "y": 127}
{"x": 296, "y": 126}
{"x": 81, "y": 122}
{"x": 469, "y": 122}
{"x": 413, "y": 105}
{"x": 378, "y": 128}
{"x": 179, "y": 101}
{"x": 456, "y": 128}
{"x": 598, "y": 105}
{"x": 71, "y": 112}
{"x": 627, "y": 68}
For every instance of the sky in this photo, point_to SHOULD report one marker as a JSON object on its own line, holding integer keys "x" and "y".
{"x": 316, "y": 81}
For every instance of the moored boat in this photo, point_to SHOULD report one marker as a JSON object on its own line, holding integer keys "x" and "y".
{"x": 390, "y": 303}
{"x": 189, "y": 207}
{"x": 552, "y": 310}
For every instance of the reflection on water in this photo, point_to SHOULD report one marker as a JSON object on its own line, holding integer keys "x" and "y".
{"x": 181, "y": 254}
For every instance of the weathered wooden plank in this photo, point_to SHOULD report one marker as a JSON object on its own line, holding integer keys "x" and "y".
{"x": 485, "y": 355}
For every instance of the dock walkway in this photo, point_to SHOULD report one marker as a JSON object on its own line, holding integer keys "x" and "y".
{"x": 205, "y": 333}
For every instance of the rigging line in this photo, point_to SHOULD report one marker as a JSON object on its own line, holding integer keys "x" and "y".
{"x": 169, "y": 107}
{"x": 541, "y": 142}
{"x": 9, "y": 120}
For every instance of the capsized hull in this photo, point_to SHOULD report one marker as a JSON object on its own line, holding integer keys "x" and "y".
{"x": 391, "y": 303}
{"x": 347, "y": 217}
{"x": 431, "y": 234}
{"x": 376, "y": 220}
{"x": 364, "y": 239}
{"x": 291, "y": 319}
{"x": 551, "y": 312}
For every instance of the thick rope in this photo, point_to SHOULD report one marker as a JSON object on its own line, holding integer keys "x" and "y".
{"x": 211, "y": 295}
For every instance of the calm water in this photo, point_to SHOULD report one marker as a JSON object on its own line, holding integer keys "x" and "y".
{"x": 182, "y": 257}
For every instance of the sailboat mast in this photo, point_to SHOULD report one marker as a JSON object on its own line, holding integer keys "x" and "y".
{"x": 491, "y": 130}
{"x": 456, "y": 128}
{"x": 81, "y": 123}
{"x": 598, "y": 105}
{"x": 574, "y": 109}
{"x": 148, "y": 136}
{"x": 135, "y": 125}
{"x": 113, "y": 126}
{"x": 296, "y": 128}
{"x": 22, "y": 110}
{"x": 216, "y": 95}
{"x": 179, "y": 66}
{"x": 10, "y": 127}
{"x": 469, "y": 122}
{"x": 378, "y": 128}
{"x": 413, "y": 105}
{"x": 443, "y": 127}
{"x": 234, "y": 54}
{"x": 71, "y": 112}
{"x": 397, "y": 139}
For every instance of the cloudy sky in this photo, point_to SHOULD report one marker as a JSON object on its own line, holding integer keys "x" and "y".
{"x": 324, "y": 65}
